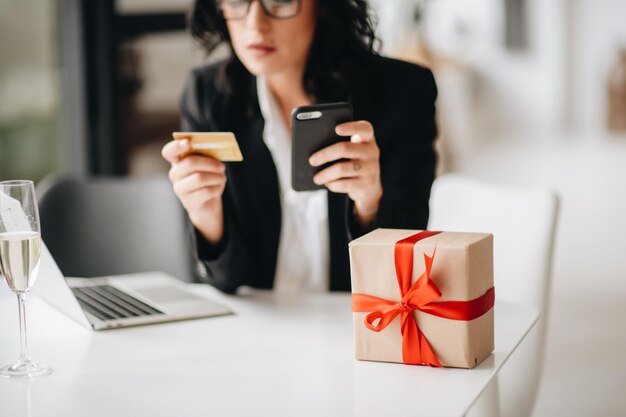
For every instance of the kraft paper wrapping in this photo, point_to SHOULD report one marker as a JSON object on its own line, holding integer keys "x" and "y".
{"x": 462, "y": 270}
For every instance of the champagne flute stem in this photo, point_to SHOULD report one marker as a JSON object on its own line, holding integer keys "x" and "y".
{"x": 21, "y": 301}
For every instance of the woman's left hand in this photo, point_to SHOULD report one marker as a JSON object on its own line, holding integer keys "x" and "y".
{"x": 359, "y": 177}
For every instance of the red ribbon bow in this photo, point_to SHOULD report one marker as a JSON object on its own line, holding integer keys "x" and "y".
{"x": 420, "y": 296}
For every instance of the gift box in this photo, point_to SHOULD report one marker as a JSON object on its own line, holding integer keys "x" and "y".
{"x": 422, "y": 297}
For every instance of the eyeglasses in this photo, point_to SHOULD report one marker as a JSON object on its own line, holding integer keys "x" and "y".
{"x": 278, "y": 9}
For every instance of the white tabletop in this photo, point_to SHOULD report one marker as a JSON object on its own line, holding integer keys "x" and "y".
{"x": 277, "y": 356}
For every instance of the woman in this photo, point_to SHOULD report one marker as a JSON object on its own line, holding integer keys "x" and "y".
{"x": 251, "y": 228}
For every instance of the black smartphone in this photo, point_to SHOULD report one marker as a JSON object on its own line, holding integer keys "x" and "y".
{"x": 312, "y": 129}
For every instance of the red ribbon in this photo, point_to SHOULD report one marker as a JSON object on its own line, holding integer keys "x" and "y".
{"x": 420, "y": 296}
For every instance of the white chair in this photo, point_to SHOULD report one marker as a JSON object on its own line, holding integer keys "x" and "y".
{"x": 523, "y": 222}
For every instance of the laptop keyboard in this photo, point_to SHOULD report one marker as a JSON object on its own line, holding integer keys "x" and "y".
{"x": 107, "y": 302}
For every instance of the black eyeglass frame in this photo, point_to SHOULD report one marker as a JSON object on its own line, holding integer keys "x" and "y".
{"x": 265, "y": 10}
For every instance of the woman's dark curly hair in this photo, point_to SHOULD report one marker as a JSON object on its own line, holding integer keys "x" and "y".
{"x": 344, "y": 37}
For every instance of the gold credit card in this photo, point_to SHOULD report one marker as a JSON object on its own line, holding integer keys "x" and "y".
{"x": 219, "y": 145}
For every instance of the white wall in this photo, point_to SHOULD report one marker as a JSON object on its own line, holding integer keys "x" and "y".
{"x": 526, "y": 89}
{"x": 596, "y": 29}
{"x": 488, "y": 92}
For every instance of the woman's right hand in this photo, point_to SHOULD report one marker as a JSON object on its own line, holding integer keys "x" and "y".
{"x": 199, "y": 182}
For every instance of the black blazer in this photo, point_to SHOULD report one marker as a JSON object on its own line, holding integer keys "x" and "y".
{"x": 398, "y": 98}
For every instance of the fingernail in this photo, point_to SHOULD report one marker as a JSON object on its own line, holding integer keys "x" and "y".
{"x": 316, "y": 180}
{"x": 339, "y": 130}
{"x": 183, "y": 144}
{"x": 313, "y": 161}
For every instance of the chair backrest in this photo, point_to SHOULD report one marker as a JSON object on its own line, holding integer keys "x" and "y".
{"x": 523, "y": 222}
{"x": 96, "y": 227}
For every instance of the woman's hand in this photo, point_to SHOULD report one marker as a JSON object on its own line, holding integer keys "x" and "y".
{"x": 199, "y": 182}
{"x": 360, "y": 176}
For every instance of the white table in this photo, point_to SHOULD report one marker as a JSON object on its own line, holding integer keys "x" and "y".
{"x": 277, "y": 356}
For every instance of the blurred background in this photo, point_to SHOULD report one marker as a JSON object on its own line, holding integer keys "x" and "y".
{"x": 531, "y": 93}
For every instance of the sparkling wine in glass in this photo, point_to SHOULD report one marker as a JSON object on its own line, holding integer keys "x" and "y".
{"x": 20, "y": 250}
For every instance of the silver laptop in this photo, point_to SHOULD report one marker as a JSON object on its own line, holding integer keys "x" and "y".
{"x": 121, "y": 300}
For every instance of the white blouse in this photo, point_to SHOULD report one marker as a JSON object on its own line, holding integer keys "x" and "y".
{"x": 303, "y": 247}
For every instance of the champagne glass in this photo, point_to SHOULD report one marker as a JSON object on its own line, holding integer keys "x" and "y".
{"x": 20, "y": 249}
